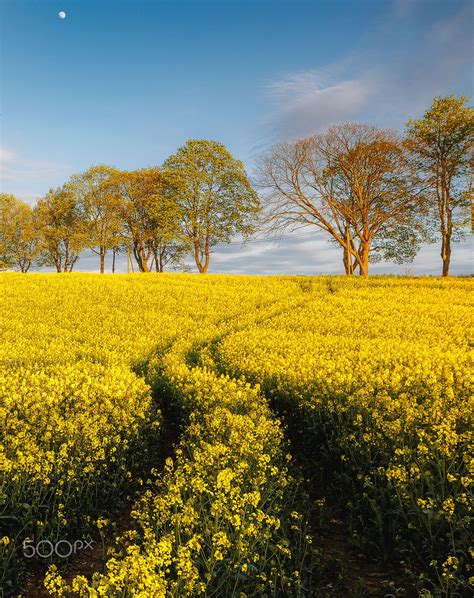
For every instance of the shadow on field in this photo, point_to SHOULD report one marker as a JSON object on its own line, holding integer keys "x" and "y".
{"x": 93, "y": 559}
{"x": 343, "y": 568}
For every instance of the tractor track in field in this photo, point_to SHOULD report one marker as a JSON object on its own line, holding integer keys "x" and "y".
{"x": 343, "y": 570}
{"x": 346, "y": 570}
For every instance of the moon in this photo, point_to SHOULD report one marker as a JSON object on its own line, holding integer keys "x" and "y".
{"x": 62, "y": 14}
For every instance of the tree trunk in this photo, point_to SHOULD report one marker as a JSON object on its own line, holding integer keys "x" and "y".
{"x": 347, "y": 261}
{"x": 202, "y": 267}
{"x": 158, "y": 257}
{"x": 206, "y": 264}
{"x": 197, "y": 257}
{"x": 446, "y": 253}
{"x": 364, "y": 259}
{"x": 206, "y": 252}
{"x": 102, "y": 260}
{"x": 113, "y": 260}
{"x": 446, "y": 223}
{"x": 141, "y": 256}
{"x": 347, "y": 266}
{"x": 347, "y": 257}
{"x": 72, "y": 264}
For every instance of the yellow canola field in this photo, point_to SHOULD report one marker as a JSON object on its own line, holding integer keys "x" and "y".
{"x": 378, "y": 375}
{"x": 376, "y": 370}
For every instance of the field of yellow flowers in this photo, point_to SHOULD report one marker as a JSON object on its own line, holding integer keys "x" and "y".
{"x": 371, "y": 376}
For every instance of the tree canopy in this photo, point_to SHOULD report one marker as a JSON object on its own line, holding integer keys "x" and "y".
{"x": 442, "y": 144}
{"x": 19, "y": 242}
{"x": 353, "y": 181}
{"x": 100, "y": 209}
{"x": 215, "y": 196}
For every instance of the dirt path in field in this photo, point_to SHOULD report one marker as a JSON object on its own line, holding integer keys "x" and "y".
{"x": 93, "y": 558}
{"x": 345, "y": 570}
{"x": 350, "y": 573}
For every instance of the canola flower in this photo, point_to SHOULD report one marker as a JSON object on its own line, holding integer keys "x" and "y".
{"x": 379, "y": 376}
{"x": 215, "y": 527}
{"x": 74, "y": 402}
{"x": 375, "y": 371}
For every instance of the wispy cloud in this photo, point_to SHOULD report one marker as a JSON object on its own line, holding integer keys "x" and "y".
{"x": 21, "y": 174}
{"x": 383, "y": 87}
{"x": 6, "y": 156}
{"x": 222, "y": 255}
{"x": 301, "y": 255}
{"x": 315, "y": 98}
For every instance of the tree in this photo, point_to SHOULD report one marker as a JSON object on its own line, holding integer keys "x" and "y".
{"x": 19, "y": 241}
{"x": 134, "y": 189}
{"x": 169, "y": 244}
{"x": 151, "y": 216}
{"x": 215, "y": 196}
{"x": 62, "y": 227}
{"x": 353, "y": 181}
{"x": 442, "y": 145}
{"x": 100, "y": 209}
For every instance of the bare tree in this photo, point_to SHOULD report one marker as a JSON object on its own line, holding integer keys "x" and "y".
{"x": 353, "y": 181}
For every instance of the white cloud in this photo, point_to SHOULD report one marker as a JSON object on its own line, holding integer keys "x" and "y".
{"x": 223, "y": 255}
{"x": 384, "y": 82}
{"x": 309, "y": 100}
{"x": 6, "y": 155}
{"x": 19, "y": 174}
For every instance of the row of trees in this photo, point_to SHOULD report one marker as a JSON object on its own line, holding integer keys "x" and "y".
{"x": 199, "y": 197}
{"x": 377, "y": 195}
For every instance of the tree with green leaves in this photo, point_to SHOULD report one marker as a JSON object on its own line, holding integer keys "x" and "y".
{"x": 63, "y": 229}
{"x": 169, "y": 243}
{"x": 151, "y": 217}
{"x": 442, "y": 144}
{"x": 134, "y": 188}
{"x": 215, "y": 196}
{"x": 19, "y": 239}
{"x": 100, "y": 209}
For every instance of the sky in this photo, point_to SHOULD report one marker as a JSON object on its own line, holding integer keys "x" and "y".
{"x": 127, "y": 82}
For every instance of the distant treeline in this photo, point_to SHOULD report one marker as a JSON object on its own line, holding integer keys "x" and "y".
{"x": 377, "y": 194}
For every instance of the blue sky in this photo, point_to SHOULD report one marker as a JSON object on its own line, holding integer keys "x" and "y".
{"x": 127, "y": 82}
